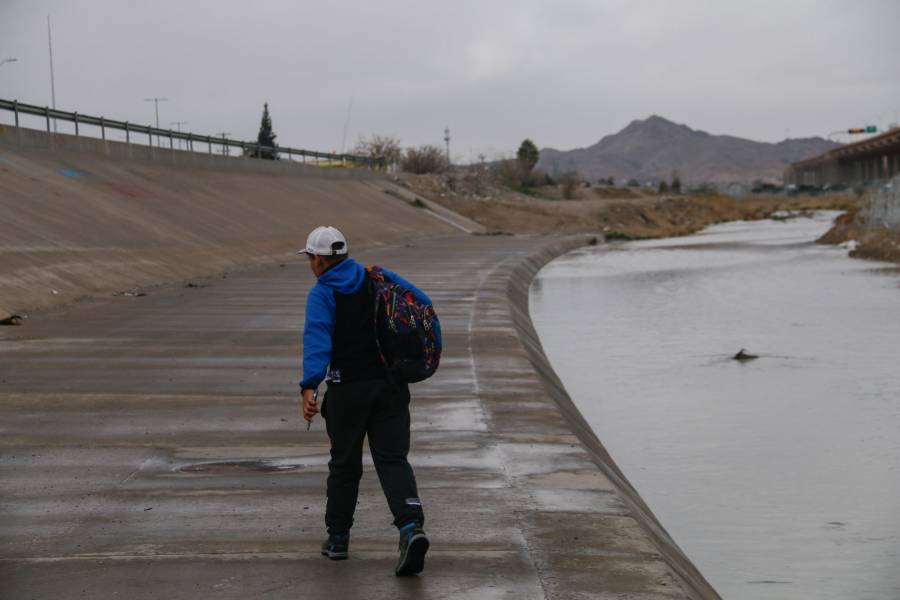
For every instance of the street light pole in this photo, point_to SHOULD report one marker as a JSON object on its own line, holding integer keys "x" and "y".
{"x": 156, "y": 102}
{"x": 52, "y": 79}
{"x": 224, "y": 135}
{"x": 447, "y": 141}
{"x": 178, "y": 124}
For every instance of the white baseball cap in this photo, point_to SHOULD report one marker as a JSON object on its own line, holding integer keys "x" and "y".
{"x": 325, "y": 241}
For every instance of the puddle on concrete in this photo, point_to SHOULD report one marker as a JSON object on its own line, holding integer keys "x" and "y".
{"x": 268, "y": 453}
{"x": 242, "y": 466}
{"x": 572, "y": 480}
{"x": 586, "y": 501}
{"x": 453, "y": 415}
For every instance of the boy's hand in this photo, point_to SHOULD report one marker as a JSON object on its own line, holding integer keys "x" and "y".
{"x": 310, "y": 405}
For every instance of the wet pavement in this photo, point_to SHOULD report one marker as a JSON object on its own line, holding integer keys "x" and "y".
{"x": 153, "y": 447}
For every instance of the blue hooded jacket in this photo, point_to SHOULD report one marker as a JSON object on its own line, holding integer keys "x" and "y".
{"x": 346, "y": 277}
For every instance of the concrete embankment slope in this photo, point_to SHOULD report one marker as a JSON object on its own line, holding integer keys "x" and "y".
{"x": 81, "y": 217}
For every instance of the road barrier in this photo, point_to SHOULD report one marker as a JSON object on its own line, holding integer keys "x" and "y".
{"x": 207, "y": 142}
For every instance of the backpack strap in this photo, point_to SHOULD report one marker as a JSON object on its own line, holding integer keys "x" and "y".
{"x": 375, "y": 273}
{"x": 376, "y": 279}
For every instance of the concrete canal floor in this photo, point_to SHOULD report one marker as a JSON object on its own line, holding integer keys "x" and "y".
{"x": 152, "y": 447}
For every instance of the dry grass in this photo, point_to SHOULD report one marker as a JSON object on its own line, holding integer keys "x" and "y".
{"x": 642, "y": 215}
{"x": 621, "y": 193}
{"x": 872, "y": 241}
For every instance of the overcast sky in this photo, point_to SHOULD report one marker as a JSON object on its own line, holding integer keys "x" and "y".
{"x": 564, "y": 73}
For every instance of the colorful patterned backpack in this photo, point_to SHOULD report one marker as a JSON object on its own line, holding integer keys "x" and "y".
{"x": 406, "y": 332}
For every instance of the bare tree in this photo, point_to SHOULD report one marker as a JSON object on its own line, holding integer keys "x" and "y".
{"x": 424, "y": 159}
{"x": 383, "y": 148}
{"x": 569, "y": 182}
{"x": 509, "y": 171}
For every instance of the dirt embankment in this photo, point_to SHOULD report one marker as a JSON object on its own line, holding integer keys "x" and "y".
{"x": 623, "y": 213}
{"x": 875, "y": 242}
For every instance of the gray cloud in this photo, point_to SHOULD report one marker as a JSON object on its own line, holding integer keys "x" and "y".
{"x": 563, "y": 73}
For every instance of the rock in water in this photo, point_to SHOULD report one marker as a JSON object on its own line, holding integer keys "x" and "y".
{"x": 744, "y": 355}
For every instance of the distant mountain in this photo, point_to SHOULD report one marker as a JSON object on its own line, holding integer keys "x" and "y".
{"x": 651, "y": 149}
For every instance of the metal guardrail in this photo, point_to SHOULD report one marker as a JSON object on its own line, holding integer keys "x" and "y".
{"x": 248, "y": 149}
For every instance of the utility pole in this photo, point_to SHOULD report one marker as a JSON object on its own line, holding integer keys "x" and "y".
{"x": 52, "y": 81}
{"x": 346, "y": 124}
{"x": 224, "y": 135}
{"x": 156, "y": 102}
{"x": 178, "y": 125}
{"x": 447, "y": 141}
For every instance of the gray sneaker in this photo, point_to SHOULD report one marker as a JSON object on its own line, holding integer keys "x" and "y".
{"x": 413, "y": 546}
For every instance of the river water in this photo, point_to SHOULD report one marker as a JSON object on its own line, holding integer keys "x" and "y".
{"x": 779, "y": 477}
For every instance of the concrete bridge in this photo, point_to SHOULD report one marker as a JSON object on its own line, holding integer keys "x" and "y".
{"x": 152, "y": 445}
{"x": 859, "y": 164}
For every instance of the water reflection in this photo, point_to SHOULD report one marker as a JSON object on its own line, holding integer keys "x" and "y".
{"x": 778, "y": 476}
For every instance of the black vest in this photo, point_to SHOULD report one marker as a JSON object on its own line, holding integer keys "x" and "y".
{"x": 354, "y": 354}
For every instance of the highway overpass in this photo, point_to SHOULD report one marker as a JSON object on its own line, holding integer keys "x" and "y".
{"x": 859, "y": 164}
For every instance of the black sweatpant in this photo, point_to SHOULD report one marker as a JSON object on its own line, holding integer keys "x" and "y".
{"x": 380, "y": 410}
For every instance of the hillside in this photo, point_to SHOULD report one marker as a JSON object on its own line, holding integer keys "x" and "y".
{"x": 651, "y": 149}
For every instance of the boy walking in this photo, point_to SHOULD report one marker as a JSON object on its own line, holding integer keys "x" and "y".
{"x": 339, "y": 346}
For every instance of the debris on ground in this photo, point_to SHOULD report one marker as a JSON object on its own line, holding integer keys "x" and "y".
{"x": 132, "y": 293}
{"x": 12, "y": 320}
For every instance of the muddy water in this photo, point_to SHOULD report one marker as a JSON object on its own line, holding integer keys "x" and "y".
{"x": 780, "y": 476}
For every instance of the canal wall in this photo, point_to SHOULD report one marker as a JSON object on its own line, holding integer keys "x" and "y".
{"x": 83, "y": 216}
